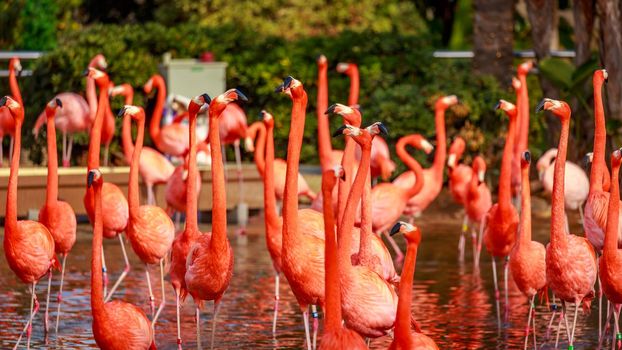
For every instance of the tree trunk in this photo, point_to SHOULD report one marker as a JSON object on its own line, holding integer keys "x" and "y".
{"x": 611, "y": 51}
{"x": 493, "y": 37}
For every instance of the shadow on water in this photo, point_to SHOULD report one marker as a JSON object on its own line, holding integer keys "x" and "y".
{"x": 454, "y": 304}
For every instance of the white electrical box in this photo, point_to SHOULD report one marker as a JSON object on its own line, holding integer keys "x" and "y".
{"x": 191, "y": 77}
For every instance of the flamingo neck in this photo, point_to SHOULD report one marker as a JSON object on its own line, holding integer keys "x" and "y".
{"x": 331, "y": 265}
{"x": 290, "y": 196}
{"x": 365, "y": 250}
{"x": 347, "y": 162}
{"x": 219, "y": 197}
{"x": 15, "y": 92}
{"x": 133, "y": 196}
{"x": 506, "y": 166}
{"x": 611, "y": 233}
{"x": 192, "y": 224}
{"x": 519, "y": 121}
{"x": 473, "y": 186}
{"x": 51, "y": 194}
{"x": 96, "y": 130}
{"x": 11, "y": 197}
{"x": 272, "y": 218}
{"x": 402, "y": 323}
{"x": 441, "y": 145}
{"x": 323, "y": 132}
{"x": 97, "y": 295}
{"x": 353, "y": 98}
{"x": 558, "y": 231}
{"x": 260, "y": 150}
{"x": 523, "y": 140}
{"x": 126, "y": 138}
{"x": 345, "y": 231}
{"x": 524, "y": 230}
{"x": 156, "y": 117}
{"x": 412, "y": 164}
{"x": 600, "y": 136}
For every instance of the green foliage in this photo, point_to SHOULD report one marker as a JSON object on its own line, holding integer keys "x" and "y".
{"x": 38, "y": 25}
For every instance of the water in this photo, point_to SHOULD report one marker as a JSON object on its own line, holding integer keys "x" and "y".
{"x": 454, "y": 305}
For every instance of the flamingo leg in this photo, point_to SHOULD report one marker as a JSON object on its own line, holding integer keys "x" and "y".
{"x": 461, "y": 242}
{"x": 562, "y": 316}
{"x": 529, "y": 322}
{"x": 163, "y": 302}
{"x": 59, "y": 296}
{"x": 505, "y": 287}
{"x": 104, "y": 271}
{"x": 177, "y": 309}
{"x": 482, "y": 225}
{"x": 216, "y": 309}
{"x": 64, "y": 151}
{"x": 242, "y": 213}
{"x": 106, "y": 151}
{"x": 494, "y": 277}
{"x": 69, "y": 149}
{"x": 198, "y": 319}
{"x": 276, "y": 302}
{"x": 11, "y": 141}
{"x": 34, "y": 307}
{"x": 581, "y": 216}
{"x": 553, "y": 307}
{"x": 600, "y": 300}
{"x": 47, "y": 304}
{"x": 574, "y": 324}
{"x": 305, "y": 318}
{"x": 316, "y": 323}
{"x": 126, "y": 270}
{"x": 398, "y": 252}
{"x": 535, "y": 343}
{"x": 150, "y": 195}
{"x": 151, "y": 298}
{"x": 601, "y": 338}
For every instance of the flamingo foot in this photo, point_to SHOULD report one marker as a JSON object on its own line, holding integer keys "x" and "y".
{"x": 179, "y": 344}
{"x": 66, "y": 163}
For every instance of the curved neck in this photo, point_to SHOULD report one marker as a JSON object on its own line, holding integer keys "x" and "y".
{"x": 524, "y": 231}
{"x": 126, "y": 138}
{"x": 323, "y": 132}
{"x": 91, "y": 97}
{"x": 611, "y": 233}
{"x": 51, "y": 194}
{"x": 600, "y": 135}
{"x": 344, "y": 188}
{"x": 523, "y": 138}
{"x": 353, "y": 98}
{"x": 402, "y": 323}
{"x": 412, "y": 164}
{"x": 191, "y": 188}
{"x": 506, "y": 166}
{"x": 345, "y": 231}
{"x": 15, "y": 92}
{"x": 96, "y": 131}
{"x": 272, "y": 218}
{"x": 11, "y": 197}
{"x": 219, "y": 197}
{"x": 156, "y": 117}
{"x": 365, "y": 250}
{"x": 441, "y": 146}
{"x": 290, "y": 196}
{"x": 260, "y": 150}
{"x": 558, "y": 231}
{"x": 133, "y": 196}
{"x": 97, "y": 294}
{"x": 331, "y": 265}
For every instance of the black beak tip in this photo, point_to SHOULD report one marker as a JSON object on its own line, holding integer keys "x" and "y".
{"x": 121, "y": 112}
{"x": 85, "y": 72}
{"x": 89, "y": 178}
{"x": 343, "y": 176}
{"x": 339, "y": 131}
{"x": 383, "y": 129}
{"x": 59, "y": 103}
{"x": 207, "y": 99}
{"x": 331, "y": 109}
{"x": 3, "y": 101}
{"x": 396, "y": 228}
{"x": 540, "y": 106}
{"x": 527, "y": 156}
{"x": 241, "y": 96}
{"x": 497, "y": 106}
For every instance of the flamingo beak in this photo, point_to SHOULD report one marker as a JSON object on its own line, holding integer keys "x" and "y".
{"x": 241, "y": 96}
{"x": 59, "y": 103}
{"x": 481, "y": 176}
{"x": 89, "y": 178}
{"x": 396, "y": 228}
{"x": 248, "y": 144}
{"x": 331, "y": 109}
{"x": 540, "y": 106}
{"x": 451, "y": 160}
{"x": 339, "y": 131}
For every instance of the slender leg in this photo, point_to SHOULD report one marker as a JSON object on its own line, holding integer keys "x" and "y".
{"x": 69, "y": 148}
{"x": 150, "y": 195}
{"x": 316, "y": 323}
{"x": 562, "y": 316}
{"x": 305, "y": 318}
{"x": 464, "y": 229}
{"x": 104, "y": 272}
{"x": 198, "y": 319}
{"x": 494, "y": 276}
{"x": 600, "y": 301}
{"x": 126, "y": 270}
{"x": 398, "y": 252}
{"x": 59, "y": 297}
{"x": 34, "y": 307}
{"x": 482, "y": 225}
{"x": 177, "y": 308}
{"x": 574, "y": 323}
{"x": 618, "y": 337}
{"x": 106, "y": 150}
{"x": 535, "y": 342}
{"x": 163, "y": 302}
{"x": 601, "y": 338}
{"x": 505, "y": 287}
{"x": 47, "y": 304}
{"x": 216, "y": 309}
{"x": 581, "y": 213}
{"x": 64, "y": 153}
{"x": 276, "y": 302}
{"x": 553, "y": 308}
{"x": 528, "y": 321}
{"x": 11, "y": 141}
{"x": 151, "y": 298}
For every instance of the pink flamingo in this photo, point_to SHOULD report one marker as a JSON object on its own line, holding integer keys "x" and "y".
{"x": 7, "y": 123}
{"x": 527, "y": 258}
{"x": 154, "y": 167}
{"x": 522, "y": 135}
{"x": 459, "y": 179}
{"x": 570, "y": 260}
{"x": 433, "y": 175}
{"x": 58, "y": 216}
{"x": 149, "y": 229}
{"x": 478, "y": 203}
{"x": 113, "y": 201}
{"x": 28, "y": 245}
{"x": 210, "y": 261}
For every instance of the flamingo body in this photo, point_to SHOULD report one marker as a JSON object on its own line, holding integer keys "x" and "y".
{"x": 29, "y": 250}
{"x": 500, "y": 230}
{"x": 60, "y": 220}
{"x": 576, "y": 182}
{"x": 73, "y": 117}
{"x": 151, "y": 233}
{"x": 175, "y": 190}
{"x": 114, "y": 205}
{"x": 459, "y": 178}
{"x": 111, "y": 334}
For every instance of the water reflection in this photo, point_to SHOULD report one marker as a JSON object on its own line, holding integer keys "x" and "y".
{"x": 453, "y": 304}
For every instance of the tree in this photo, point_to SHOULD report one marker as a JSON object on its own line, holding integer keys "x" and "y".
{"x": 610, "y": 53}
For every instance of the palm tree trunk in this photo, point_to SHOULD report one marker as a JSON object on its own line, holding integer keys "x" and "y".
{"x": 610, "y": 53}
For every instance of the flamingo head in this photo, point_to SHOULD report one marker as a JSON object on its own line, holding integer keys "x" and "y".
{"x": 330, "y": 177}
{"x": 99, "y": 62}
{"x": 118, "y": 90}
{"x": 600, "y": 76}
{"x": 148, "y": 87}
{"x": 50, "y": 107}
{"x": 516, "y": 84}
{"x": 445, "y": 102}
{"x": 479, "y": 168}
{"x": 377, "y": 128}
{"x": 136, "y": 113}
{"x": 350, "y": 115}
{"x": 348, "y": 130}
{"x": 410, "y": 232}
{"x": 508, "y": 107}
{"x": 616, "y": 158}
{"x": 290, "y": 87}
{"x": 14, "y": 107}
{"x": 421, "y": 143}
{"x": 221, "y": 101}
{"x": 267, "y": 118}
{"x": 559, "y": 108}
{"x": 455, "y": 151}
{"x": 198, "y": 103}
{"x": 15, "y": 65}
{"x": 94, "y": 177}
{"x": 588, "y": 159}
{"x": 346, "y": 68}
{"x": 525, "y": 159}
{"x": 101, "y": 78}
{"x": 322, "y": 62}
{"x": 525, "y": 67}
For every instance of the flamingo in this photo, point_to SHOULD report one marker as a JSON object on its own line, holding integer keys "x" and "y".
{"x": 389, "y": 200}
{"x": 210, "y": 261}
{"x": 171, "y": 139}
{"x": 610, "y": 262}
{"x": 527, "y": 258}
{"x": 175, "y": 191}
{"x": 113, "y": 200}
{"x": 116, "y": 325}
{"x": 369, "y": 302}
{"x": 570, "y": 260}
{"x": 336, "y": 336}
{"x": 7, "y": 123}
{"x": 522, "y": 134}
{"x": 77, "y": 115}
{"x": 28, "y": 245}
{"x": 459, "y": 179}
{"x": 183, "y": 242}
{"x": 478, "y": 202}
{"x": 58, "y": 216}
{"x": 501, "y": 221}
{"x": 434, "y": 175}
{"x": 154, "y": 167}
{"x": 149, "y": 229}
{"x": 577, "y": 184}
{"x": 108, "y": 128}
{"x": 404, "y": 338}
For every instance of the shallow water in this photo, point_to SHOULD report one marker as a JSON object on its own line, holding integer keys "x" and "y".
{"x": 454, "y": 304}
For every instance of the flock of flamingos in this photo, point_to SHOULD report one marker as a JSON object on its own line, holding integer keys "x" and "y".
{"x": 332, "y": 254}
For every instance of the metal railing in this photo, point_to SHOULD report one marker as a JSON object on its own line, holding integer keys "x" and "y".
{"x": 22, "y": 55}
{"x": 517, "y": 53}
